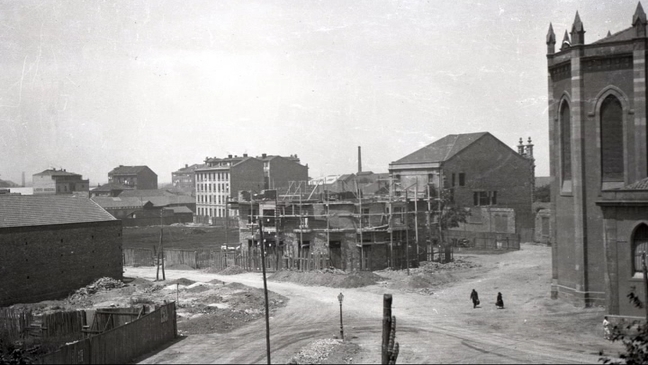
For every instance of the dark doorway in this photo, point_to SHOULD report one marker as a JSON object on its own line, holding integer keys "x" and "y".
{"x": 335, "y": 248}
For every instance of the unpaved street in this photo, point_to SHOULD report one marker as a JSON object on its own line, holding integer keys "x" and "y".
{"x": 438, "y": 328}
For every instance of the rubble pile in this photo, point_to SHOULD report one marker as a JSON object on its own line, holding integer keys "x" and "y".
{"x": 103, "y": 284}
{"x": 315, "y": 352}
{"x": 332, "y": 270}
{"x": 232, "y": 270}
{"x": 457, "y": 264}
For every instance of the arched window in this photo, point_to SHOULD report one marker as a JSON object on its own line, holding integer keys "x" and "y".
{"x": 640, "y": 245}
{"x": 565, "y": 147}
{"x": 611, "y": 140}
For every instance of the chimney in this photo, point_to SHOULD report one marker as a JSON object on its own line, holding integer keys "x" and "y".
{"x": 23, "y": 179}
{"x": 263, "y": 155}
{"x": 186, "y": 165}
{"x": 229, "y": 156}
{"x": 529, "y": 149}
{"x": 359, "y": 160}
{"x": 245, "y": 155}
{"x": 521, "y": 147}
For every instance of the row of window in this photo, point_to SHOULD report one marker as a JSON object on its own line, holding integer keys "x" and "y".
{"x": 212, "y": 176}
{"x": 211, "y": 212}
{"x": 217, "y": 199}
{"x": 213, "y": 187}
{"x": 611, "y": 138}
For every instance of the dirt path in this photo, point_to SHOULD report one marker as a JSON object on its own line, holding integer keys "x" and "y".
{"x": 438, "y": 328}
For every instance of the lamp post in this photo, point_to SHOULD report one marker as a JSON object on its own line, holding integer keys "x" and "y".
{"x": 340, "y": 298}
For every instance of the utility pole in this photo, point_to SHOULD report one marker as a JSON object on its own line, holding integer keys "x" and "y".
{"x": 265, "y": 285}
{"x": 407, "y": 232}
{"x": 391, "y": 227}
{"x": 416, "y": 233}
{"x": 429, "y": 225}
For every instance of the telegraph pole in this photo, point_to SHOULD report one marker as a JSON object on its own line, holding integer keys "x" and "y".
{"x": 265, "y": 286}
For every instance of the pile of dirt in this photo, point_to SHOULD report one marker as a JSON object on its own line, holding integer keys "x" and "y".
{"x": 179, "y": 267}
{"x": 457, "y": 264}
{"x": 232, "y": 270}
{"x": 329, "y": 279}
{"x": 226, "y": 309}
{"x": 216, "y": 281}
{"x": 103, "y": 284}
{"x": 181, "y": 281}
{"x": 326, "y": 351}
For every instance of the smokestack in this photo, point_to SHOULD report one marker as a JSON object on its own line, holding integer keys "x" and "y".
{"x": 359, "y": 160}
{"x": 23, "y": 179}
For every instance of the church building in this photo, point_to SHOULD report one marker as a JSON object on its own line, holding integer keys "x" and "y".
{"x": 598, "y": 162}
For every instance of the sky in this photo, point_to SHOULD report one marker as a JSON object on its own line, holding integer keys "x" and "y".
{"x": 89, "y": 85}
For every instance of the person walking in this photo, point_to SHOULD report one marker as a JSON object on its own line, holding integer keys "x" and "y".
{"x": 475, "y": 298}
{"x": 606, "y": 328}
{"x": 499, "y": 302}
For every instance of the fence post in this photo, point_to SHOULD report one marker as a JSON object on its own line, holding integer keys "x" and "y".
{"x": 386, "y": 327}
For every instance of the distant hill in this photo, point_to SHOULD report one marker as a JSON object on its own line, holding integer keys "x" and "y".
{"x": 7, "y": 184}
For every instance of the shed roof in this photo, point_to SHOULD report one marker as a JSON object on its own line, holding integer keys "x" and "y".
{"x": 43, "y": 210}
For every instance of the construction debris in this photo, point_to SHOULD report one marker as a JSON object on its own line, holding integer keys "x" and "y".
{"x": 103, "y": 284}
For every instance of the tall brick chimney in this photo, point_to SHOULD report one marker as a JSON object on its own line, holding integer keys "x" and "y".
{"x": 359, "y": 159}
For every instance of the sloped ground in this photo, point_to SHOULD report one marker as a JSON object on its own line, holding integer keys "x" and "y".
{"x": 328, "y": 278}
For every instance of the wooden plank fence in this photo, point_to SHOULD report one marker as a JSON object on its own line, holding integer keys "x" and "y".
{"x": 121, "y": 344}
{"x": 17, "y": 324}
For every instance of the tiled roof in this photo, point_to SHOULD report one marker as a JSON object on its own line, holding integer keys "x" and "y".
{"x": 188, "y": 169}
{"x": 639, "y": 185}
{"x": 111, "y": 187}
{"x": 42, "y": 210}
{"x": 441, "y": 150}
{"x": 109, "y": 202}
{"x": 53, "y": 172}
{"x": 624, "y": 35}
{"x": 127, "y": 170}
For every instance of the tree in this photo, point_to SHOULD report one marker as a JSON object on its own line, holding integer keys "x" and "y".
{"x": 542, "y": 194}
{"x": 634, "y": 337}
{"x": 448, "y": 215}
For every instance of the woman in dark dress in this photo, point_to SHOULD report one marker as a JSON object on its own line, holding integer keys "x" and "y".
{"x": 499, "y": 303}
{"x": 475, "y": 298}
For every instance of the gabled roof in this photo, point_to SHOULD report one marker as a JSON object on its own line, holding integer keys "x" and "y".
{"x": 109, "y": 202}
{"x": 43, "y": 210}
{"x": 188, "y": 169}
{"x": 443, "y": 149}
{"x": 55, "y": 172}
{"x": 624, "y": 35}
{"x": 110, "y": 187}
{"x": 128, "y": 170}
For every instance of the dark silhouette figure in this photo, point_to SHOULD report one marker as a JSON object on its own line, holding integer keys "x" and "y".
{"x": 475, "y": 298}
{"x": 499, "y": 303}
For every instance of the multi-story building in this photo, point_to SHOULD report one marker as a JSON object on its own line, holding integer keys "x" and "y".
{"x": 136, "y": 177}
{"x": 478, "y": 169}
{"x": 279, "y": 171}
{"x": 53, "y": 181}
{"x": 220, "y": 179}
{"x": 598, "y": 153}
{"x": 184, "y": 179}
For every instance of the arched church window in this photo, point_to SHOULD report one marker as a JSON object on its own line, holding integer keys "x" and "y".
{"x": 612, "y": 165}
{"x": 640, "y": 245}
{"x": 565, "y": 147}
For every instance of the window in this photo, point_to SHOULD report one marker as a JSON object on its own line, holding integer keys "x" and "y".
{"x": 640, "y": 244}
{"x": 565, "y": 150}
{"x": 365, "y": 217}
{"x": 611, "y": 140}
{"x": 462, "y": 179}
{"x": 483, "y": 198}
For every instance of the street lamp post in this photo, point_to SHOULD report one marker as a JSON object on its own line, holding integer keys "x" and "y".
{"x": 340, "y": 298}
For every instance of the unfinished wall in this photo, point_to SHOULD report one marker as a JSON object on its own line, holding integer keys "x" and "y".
{"x": 50, "y": 262}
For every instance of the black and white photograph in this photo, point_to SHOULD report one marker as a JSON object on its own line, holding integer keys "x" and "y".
{"x": 323, "y": 182}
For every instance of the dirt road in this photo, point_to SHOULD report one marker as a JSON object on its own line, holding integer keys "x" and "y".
{"x": 438, "y": 328}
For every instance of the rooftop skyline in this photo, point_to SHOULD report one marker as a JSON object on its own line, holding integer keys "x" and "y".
{"x": 88, "y": 86}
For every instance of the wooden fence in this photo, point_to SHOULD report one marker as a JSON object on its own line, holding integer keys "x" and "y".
{"x": 17, "y": 324}
{"x": 121, "y": 344}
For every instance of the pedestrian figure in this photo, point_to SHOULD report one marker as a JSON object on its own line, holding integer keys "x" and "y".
{"x": 475, "y": 298}
{"x": 499, "y": 303}
{"x": 606, "y": 328}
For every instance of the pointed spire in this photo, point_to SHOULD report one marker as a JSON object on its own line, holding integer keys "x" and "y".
{"x": 578, "y": 32}
{"x": 639, "y": 21}
{"x": 551, "y": 40}
{"x": 639, "y": 15}
{"x": 609, "y": 34}
{"x": 566, "y": 43}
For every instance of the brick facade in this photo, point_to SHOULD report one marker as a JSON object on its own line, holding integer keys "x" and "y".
{"x": 597, "y": 131}
{"x": 51, "y": 262}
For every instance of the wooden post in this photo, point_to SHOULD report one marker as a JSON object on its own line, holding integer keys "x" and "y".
{"x": 162, "y": 253}
{"x": 407, "y": 232}
{"x": 386, "y": 328}
{"x": 645, "y": 280}
{"x": 265, "y": 289}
